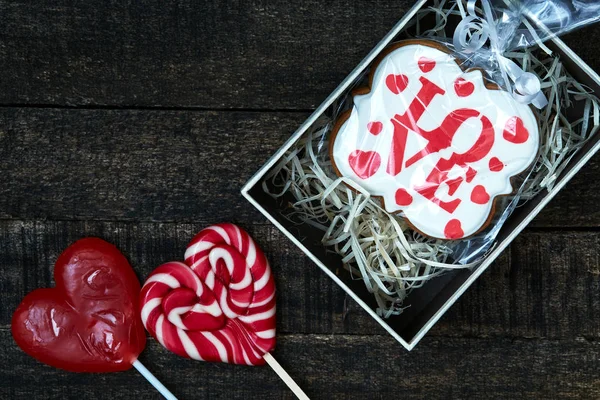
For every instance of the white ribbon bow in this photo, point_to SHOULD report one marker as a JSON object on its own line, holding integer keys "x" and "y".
{"x": 471, "y": 35}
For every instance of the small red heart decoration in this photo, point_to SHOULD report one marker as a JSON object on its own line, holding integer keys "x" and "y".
{"x": 375, "y": 127}
{"x": 396, "y": 83}
{"x": 403, "y": 198}
{"x": 89, "y": 322}
{"x": 364, "y": 163}
{"x": 479, "y": 195}
{"x": 426, "y": 64}
{"x": 515, "y": 131}
{"x": 463, "y": 88}
{"x": 453, "y": 229}
{"x": 217, "y": 306}
{"x": 496, "y": 165}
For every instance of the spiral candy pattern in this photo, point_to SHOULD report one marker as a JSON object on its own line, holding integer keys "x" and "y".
{"x": 217, "y": 306}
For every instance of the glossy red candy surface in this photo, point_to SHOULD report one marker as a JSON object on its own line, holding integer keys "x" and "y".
{"x": 89, "y": 322}
{"x": 218, "y": 305}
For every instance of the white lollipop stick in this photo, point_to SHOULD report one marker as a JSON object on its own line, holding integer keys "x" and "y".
{"x": 285, "y": 377}
{"x": 153, "y": 381}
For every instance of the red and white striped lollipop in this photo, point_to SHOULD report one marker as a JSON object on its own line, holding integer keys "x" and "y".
{"x": 217, "y": 306}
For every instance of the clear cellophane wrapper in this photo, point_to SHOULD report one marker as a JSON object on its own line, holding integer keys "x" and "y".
{"x": 396, "y": 243}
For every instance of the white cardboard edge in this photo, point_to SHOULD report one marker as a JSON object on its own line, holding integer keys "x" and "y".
{"x": 329, "y": 272}
{"x": 489, "y": 259}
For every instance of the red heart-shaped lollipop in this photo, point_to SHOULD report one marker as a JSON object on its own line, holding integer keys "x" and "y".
{"x": 219, "y": 305}
{"x": 90, "y": 321}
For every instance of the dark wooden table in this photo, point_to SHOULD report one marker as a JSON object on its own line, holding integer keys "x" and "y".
{"x": 139, "y": 121}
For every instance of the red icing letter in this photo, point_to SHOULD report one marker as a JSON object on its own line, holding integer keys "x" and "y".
{"x": 439, "y": 174}
{"x": 440, "y": 139}
{"x": 409, "y": 121}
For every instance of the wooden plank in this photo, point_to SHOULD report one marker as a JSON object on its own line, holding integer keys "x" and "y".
{"x": 547, "y": 286}
{"x": 169, "y": 166}
{"x": 209, "y": 54}
{"x": 134, "y": 165}
{"x": 338, "y": 367}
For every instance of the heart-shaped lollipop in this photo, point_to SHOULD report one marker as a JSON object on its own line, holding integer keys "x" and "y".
{"x": 89, "y": 321}
{"x": 217, "y": 306}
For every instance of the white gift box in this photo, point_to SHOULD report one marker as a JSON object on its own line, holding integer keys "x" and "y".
{"x": 430, "y": 302}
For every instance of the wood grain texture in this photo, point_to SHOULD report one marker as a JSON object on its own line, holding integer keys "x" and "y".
{"x": 134, "y": 165}
{"x": 139, "y": 122}
{"x": 169, "y": 166}
{"x": 216, "y": 54}
{"x": 546, "y": 286}
{"x": 339, "y": 367}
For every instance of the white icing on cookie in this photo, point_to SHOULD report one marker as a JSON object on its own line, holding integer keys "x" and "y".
{"x": 434, "y": 142}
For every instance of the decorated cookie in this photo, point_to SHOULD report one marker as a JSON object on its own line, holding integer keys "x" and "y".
{"x": 436, "y": 143}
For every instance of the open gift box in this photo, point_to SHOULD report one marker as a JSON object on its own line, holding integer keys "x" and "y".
{"x": 427, "y": 304}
